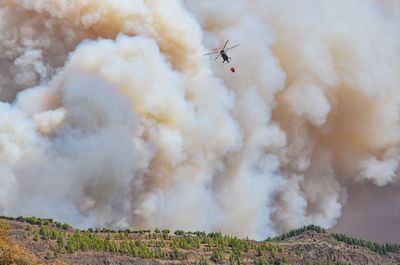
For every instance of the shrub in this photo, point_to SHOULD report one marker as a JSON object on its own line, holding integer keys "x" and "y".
{"x": 217, "y": 256}
{"x": 179, "y": 233}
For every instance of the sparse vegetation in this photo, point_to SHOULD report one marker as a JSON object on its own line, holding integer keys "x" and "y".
{"x": 297, "y": 232}
{"x": 199, "y": 248}
{"x": 379, "y": 248}
{"x": 12, "y": 253}
{"x": 38, "y": 221}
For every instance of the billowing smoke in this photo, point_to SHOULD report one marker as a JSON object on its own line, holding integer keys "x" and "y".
{"x": 110, "y": 115}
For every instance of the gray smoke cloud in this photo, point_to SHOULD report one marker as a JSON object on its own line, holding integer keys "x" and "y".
{"x": 110, "y": 115}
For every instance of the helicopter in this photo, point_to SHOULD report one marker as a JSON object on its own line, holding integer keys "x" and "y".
{"x": 222, "y": 52}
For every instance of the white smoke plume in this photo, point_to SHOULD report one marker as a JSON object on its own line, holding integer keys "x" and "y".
{"x": 110, "y": 115}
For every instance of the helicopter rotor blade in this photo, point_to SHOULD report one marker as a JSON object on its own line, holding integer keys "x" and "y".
{"x": 225, "y": 44}
{"x": 211, "y": 53}
{"x": 232, "y": 47}
{"x": 217, "y": 56}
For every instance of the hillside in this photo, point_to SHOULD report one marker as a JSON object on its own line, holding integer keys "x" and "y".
{"x": 30, "y": 240}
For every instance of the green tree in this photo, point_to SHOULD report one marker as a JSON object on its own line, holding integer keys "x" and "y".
{"x": 217, "y": 256}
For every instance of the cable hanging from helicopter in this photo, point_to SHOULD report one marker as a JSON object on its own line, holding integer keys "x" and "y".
{"x": 224, "y": 55}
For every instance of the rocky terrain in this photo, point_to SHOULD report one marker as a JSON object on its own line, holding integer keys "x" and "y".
{"x": 31, "y": 240}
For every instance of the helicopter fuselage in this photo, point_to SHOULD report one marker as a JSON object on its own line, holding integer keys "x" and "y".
{"x": 224, "y": 56}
